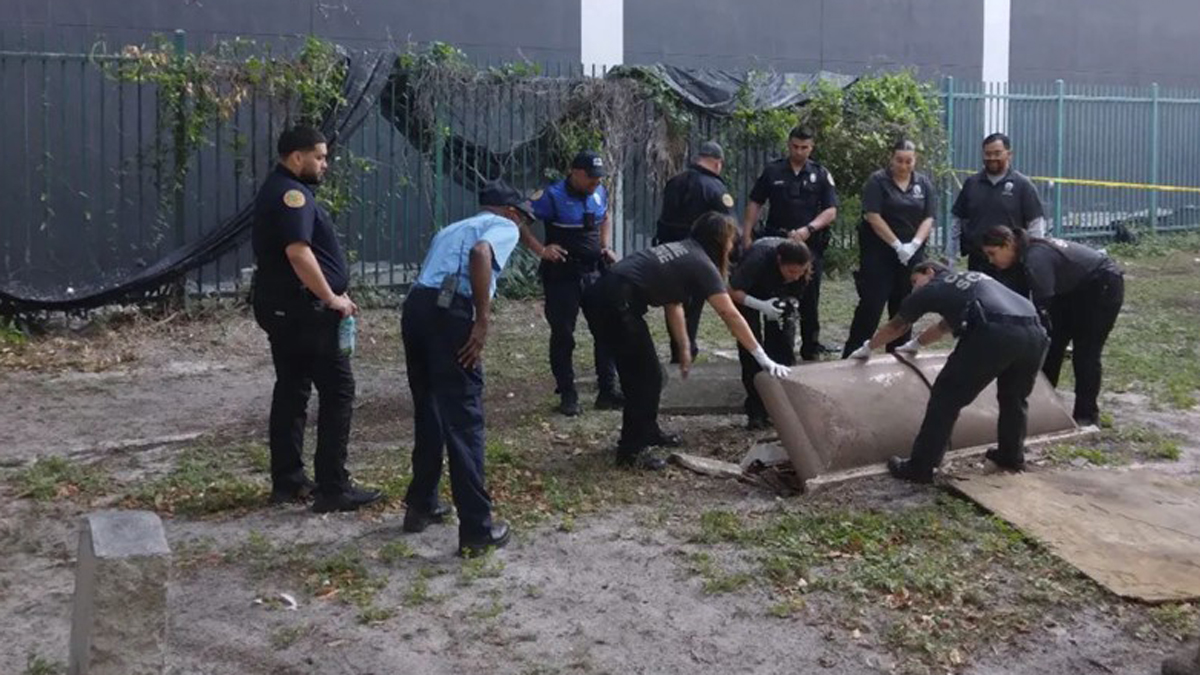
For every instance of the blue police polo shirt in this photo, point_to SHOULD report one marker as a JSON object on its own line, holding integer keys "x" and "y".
{"x": 450, "y": 251}
{"x": 572, "y": 219}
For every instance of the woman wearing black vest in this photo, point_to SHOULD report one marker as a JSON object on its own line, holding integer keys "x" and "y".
{"x": 1077, "y": 290}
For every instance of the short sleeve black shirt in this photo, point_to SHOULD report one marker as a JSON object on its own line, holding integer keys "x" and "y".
{"x": 982, "y": 204}
{"x": 686, "y": 197}
{"x": 671, "y": 273}
{"x": 1057, "y": 267}
{"x": 285, "y": 212}
{"x": 902, "y": 210}
{"x": 757, "y": 273}
{"x": 950, "y": 294}
{"x": 795, "y": 198}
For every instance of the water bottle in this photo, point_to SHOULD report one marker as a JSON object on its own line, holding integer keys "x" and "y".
{"x": 347, "y": 332}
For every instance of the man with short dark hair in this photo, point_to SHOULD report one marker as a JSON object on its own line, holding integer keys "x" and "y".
{"x": 444, "y": 326}
{"x": 299, "y": 300}
{"x": 802, "y": 206}
{"x": 997, "y": 195}
{"x": 698, "y": 190}
{"x": 768, "y": 279}
{"x": 576, "y": 249}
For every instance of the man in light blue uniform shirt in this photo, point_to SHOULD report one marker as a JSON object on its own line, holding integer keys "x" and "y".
{"x": 575, "y": 252}
{"x": 444, "y": 327}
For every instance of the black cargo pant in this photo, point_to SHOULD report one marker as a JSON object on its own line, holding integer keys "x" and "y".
{"x": 565, "y": 285}
{"x": 1008, "y": 350}
{"x": 881, "y": 281}
{"x": 694, "y": 307}
{"x": 304, "y": 349}
{"x": 618, "y": 312}
{"x": 810, "y": 308}
{"x": 1085, "y": 317}
{"x": 777, "y": 339}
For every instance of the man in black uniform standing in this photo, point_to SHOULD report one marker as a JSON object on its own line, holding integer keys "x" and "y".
{"x": 999, "y": 338}
{"x": 299, "y": 300}
{"x": 769, "y": 278}
{"x": 803, "y": 205}
{"x": 696, "y": 191}
{"x": 998, "y": 195}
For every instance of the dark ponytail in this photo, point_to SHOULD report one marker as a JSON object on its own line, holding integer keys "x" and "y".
{"x": 714, "y": 231}
{"x": 1002, "y": 235}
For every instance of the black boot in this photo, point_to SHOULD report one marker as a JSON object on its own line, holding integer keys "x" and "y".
{"x": 640, "y": 459}
{"x": 1005, "y": 462}
{"x": 416, "y": 520}
{"x": 496, "y": 537}
{"x": 904, "y": 470}
{"x": 351, "y": 499}
{"x": 570, "y": 404}
{"x": 293, "y": 491}
{"x": 609, "y": 399}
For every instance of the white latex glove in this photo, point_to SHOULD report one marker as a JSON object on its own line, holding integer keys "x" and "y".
{"x": 863, "y": 352}
{"x": 902, "y": 252}
{"x": 772, "y": 368}
{"x": 909, "y": 348}
{"x": 765, "y": 307}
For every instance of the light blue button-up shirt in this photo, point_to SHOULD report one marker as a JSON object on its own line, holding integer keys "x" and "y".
{"x": 450, "y": 251}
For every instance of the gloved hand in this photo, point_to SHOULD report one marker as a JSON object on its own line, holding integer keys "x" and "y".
{"x": 909, "y": 348}
{"x": 863, "y": 352}
{"x": 767, "y": 308}
{"x": 772, "y": 368}
{"x": 902, "y": 252}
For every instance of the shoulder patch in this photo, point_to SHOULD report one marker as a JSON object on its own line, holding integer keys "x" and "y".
{"x": 537, "y": 194}
{"x": 294, "y": 198}
{"x": 727, "y": 200}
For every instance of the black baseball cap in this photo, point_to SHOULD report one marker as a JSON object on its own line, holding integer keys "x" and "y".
{"x": 499, "y": 193}
{"x": 711, "y": 149}
{"x": 591, "y": 162}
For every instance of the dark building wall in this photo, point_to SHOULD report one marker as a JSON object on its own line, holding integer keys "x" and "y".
{"x": 937, "y": 37}
{"x": 1125, "y": 42}
{"x": 495, "y": 29}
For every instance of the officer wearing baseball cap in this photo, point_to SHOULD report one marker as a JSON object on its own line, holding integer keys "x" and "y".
{"x": 444, "y": 327}
{"x": 687, "y": 196}
{"x": 574, "y": 253}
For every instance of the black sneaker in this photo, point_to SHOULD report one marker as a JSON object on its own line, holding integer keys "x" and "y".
{"x": 352, "y": 498}
{"x": 643, "y": 460}
{"x": 293, "y": 492}
{"x": 904, "y": 470}
{"x": 610, "y": 400}
{"x": 496, "y": 537}
{"x": 416, "y": 520}
{"x": 1003, "y": 461}
{"x": 569, "y": 405}
{"x": 1087, "y": 421}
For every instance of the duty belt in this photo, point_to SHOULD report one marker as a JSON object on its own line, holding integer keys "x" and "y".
{"x": 1010, "y": 320}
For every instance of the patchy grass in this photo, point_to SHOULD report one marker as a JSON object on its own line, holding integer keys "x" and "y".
{"x": 286, "y": 636}
{"x": 938, "y": 581}
{"x": 1154, "y": 348}
{"x": 1176, "y": 621}
{"x": 418, "y": 592}
{"x": 36, "y": 665}
{"x": 485, "y": 566}
{"x": 716, "y": 579}
{"x": 50, "y": 478}
{"x": 394, "y": 552}
{"x": 205, "y": 481}
{"x": 344, "y": 576}
{"x": 1117, "y": 446}
{"x": 10, "y": 335}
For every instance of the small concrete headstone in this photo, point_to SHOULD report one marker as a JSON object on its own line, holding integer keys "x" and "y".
{"x": 119, "y": 618}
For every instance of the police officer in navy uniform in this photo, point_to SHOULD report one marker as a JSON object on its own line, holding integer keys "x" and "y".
{"x": 299, "y": 300}
{"x": 769, "y": 278}
{"x": 999, "y": 338}
{"x": 803, "y": 205}
{"x": 667, "y": 276}
{"x": 698, "y": 190}
{"x": 574, "y": 254}
{"x": 444, "y": 327}
{"x": 898, "y": 206}
{"x": 1079, "y": 292}
{"x": 997, "y": 195}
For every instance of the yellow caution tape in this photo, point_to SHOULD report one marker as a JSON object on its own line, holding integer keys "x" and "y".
{"x": 1101, "y": 183}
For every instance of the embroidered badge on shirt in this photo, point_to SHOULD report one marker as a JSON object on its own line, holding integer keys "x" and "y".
{"x": 294, "y": 198}
{"x": 727, "y": 200}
